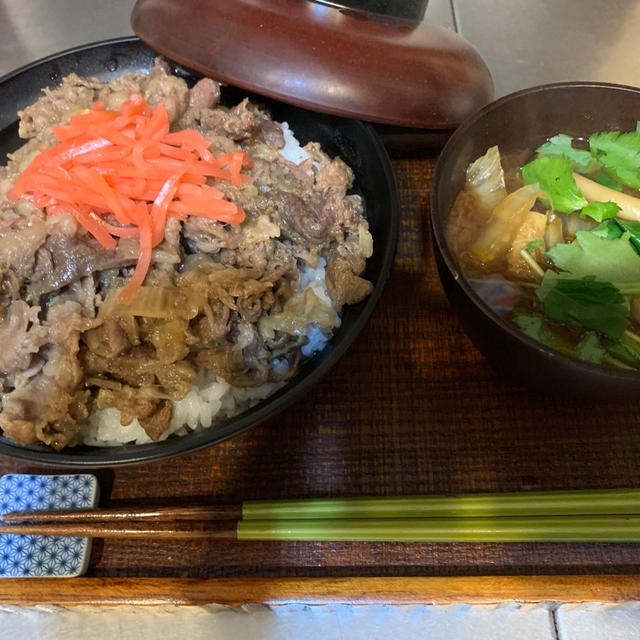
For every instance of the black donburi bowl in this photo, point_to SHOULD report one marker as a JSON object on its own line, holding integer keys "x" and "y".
{"x": 356, "y": 142}
{"x": 517, "y": 122}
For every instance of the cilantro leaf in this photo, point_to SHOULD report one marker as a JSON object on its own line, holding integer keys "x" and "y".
{"x": 554, "y": 175}
{"x": 623, "y": 353}
{"x": 535, "y": 326}
{"x": 633, "y": 229}
{"x": 590, "y": 349}
{"x": 609, "y": 229}
{"x": 533, "y": 245}
{"x": 607, "y": 259}
{"x": 561, "y": 145}
{"x": 619, "y": 153}
{"x": 584, "y": 302}
{"x": 606, "y": 180}
{"x": 600, "y": 211}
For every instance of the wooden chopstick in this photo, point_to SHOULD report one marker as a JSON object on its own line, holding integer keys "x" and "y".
{"x": 128, "y": 514}
{"x": 190, "y": 530}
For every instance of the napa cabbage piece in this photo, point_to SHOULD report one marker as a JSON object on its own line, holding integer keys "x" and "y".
{"x": 553, "y": 233}
{"x": 574, "y": 222}
{"x": 155, "y": 302}
{"x": 308, "y": 307}
{"x": 485, "y": 180}
{"x": 497, "y": 237}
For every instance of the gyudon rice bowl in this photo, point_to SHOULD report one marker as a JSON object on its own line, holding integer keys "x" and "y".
{"x": 166, "y": 261}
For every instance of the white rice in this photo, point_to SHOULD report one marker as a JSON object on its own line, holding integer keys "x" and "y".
{"x": 211, "y": 399}
{"x": 292, "y": 150}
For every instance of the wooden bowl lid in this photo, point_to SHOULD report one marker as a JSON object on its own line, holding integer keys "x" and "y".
{"x": 322, "y": 58}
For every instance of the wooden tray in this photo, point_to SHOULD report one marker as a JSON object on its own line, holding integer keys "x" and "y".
{"x": 271, "y": 591}
{"x": 412, "y": 408}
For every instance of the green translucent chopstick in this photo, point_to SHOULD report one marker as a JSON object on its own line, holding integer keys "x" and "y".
{"x": 508, "y": 529}
{"x": 532, "y": 529}
{"x": 490, "y": 505}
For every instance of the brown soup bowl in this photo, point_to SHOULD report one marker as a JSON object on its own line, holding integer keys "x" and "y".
{"x": 517, "y": 122}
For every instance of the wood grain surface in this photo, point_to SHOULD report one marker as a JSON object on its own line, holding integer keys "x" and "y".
{"x": 411, "y": 408}
{"x": 396, "y": 591}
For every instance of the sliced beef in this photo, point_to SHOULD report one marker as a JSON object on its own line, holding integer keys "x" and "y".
{"x": 169, "y": 252}
{"x": 58, "y": 105}
{"x": 20, "y": 238}
{"x": 158, "y": 421}
{"x": 49, "y": 406}
{"x": 176, "y": 379}
{"x": 73, "y": 257}
{"x": 245, "y": 361}
{"x": 129, "y": 325}
{"x": 230, "y": 286}
{"x": 303, "y": 172}
{"x": 21, "y": 336}
{"x": 210, "y": 236}
{"x": 62, "y": 223}
{"x": 306, "y": 218}
{"x": 334, "y": 173}
{"x": 347, "y": 211}
{"x": 153, "y": 414}
{"x": 64, "y": 323}
{"x": 204, "y": 94}
{"x": 42, "y": 410}
{"x": 213, "y": 325}
{"x": 169, "y": 337}
{"x": 119, "y": 89}
{"x": 172, "y": 231}
{"x": 169, "y": 90}
{"x": 237, "y": 123}
{"x": 270, "y": 132}
{"x": 136, "y": 367}
{"x": 344, "y": 285}
{"x": 108, "y": 340}
{"x": 163, "y": 368}
{"x": 236, "y": 368}
{"x": 18, "y": 161}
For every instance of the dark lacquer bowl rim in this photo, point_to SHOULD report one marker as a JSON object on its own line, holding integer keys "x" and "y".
{"x": 438, "y": 220}
{"x": 354, "y": 319}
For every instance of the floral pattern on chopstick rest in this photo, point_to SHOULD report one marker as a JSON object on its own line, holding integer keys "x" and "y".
{"x": 45, "y": 556}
